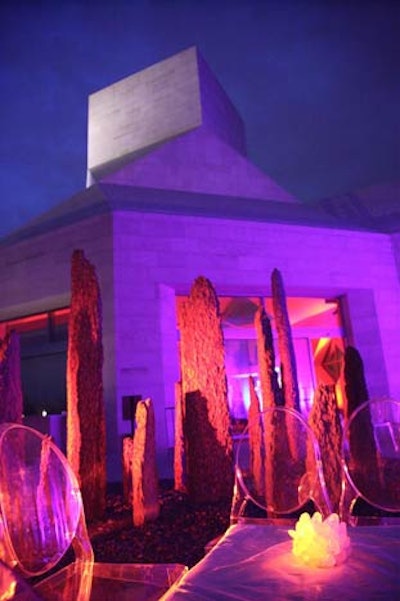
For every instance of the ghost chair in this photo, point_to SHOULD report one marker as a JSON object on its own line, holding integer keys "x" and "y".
{"x": 278, "y": 469}
{"x": 43, "y": 528}
{"x": 371, "y": 460}
{"x": 13, "y": 586}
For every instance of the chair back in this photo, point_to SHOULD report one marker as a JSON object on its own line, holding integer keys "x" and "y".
{"x": 41, "y": 507}
{"x": 371, "y": 457}
{"x": 277, "y": 467}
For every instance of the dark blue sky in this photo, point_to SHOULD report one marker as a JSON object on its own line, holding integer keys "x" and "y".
{"x": 316, "y": 82}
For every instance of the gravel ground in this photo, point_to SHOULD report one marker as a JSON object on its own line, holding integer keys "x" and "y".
{"x": 179, "y": 535}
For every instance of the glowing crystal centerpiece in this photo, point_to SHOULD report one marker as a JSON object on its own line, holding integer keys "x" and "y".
{"x": 320, "y": 543}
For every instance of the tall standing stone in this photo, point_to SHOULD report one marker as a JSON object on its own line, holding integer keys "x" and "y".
{"x": 145, "y": 503}
{"x": 127, "y": 458}
{"x": 209, "y": 457}
{"x": 11, "y": 399}
{"x": 271, "y": 393}
{"x": 361, "y": 436}
{"x": 272, "y": 396}
{"x": 256, "y": 443}
{"x": 290, "y": 386}
{"x": 179, "y": 445}
{"x": 354, "y": 380}
{"x": 324, "y": 420}
{"x": 285, "y": 342}
{"x": 86, "y": 431}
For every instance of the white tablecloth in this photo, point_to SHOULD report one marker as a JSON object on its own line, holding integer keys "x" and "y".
{"x": 255, "y": 563}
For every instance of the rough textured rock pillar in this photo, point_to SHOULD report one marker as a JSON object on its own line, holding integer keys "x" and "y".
{"x": 179, "y": 446}
{"x": 285, "y": 343}
{"x": 290, "y": 386}
{"x": 145, "y": 501}
{"x": 271, "y": 393}
{"x": 324, "y": 420}
{"x": 354, "y": 381}
{"x": 11, "y": 400}
{"x": 86, "y": 435}
{"x": 272, "y": 396}
{"x": 127, "y": 455}
{"x": 362, "y": 441}
{"x": 209, "y": 456}
{"x": 256, "y": 442}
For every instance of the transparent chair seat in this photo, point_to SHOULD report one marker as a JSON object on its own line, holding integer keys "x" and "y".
{"x": 12, "y": 586}
{"x": 108, "y": 581}
{"x": 278, "y": 468}
{"x": 42, "y": 520}
{"x": 371, "y": 457}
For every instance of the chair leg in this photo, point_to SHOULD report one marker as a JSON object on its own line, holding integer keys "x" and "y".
{"x": 346, "y": 501}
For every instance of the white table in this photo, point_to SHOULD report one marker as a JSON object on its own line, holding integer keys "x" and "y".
{"x": 254, "y": 562}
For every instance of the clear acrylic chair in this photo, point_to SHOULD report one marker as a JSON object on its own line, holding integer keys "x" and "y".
{"x": 278, "y": 469}
{"x": 12, "y": 586}
{"x": 42, "y": 521}
{"x": 371, "y": 458}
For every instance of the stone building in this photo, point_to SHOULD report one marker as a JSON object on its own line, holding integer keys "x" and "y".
{"x": 171, "y": 195}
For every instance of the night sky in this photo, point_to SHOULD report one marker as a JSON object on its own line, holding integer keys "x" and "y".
{"x": 316, "y": 82}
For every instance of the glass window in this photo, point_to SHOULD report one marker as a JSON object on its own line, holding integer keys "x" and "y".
{"x": 311, "y": 320}
{"x": 43, "y": 343}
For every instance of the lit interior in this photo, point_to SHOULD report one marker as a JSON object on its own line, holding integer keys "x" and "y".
{"x": 317, "y": 338}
